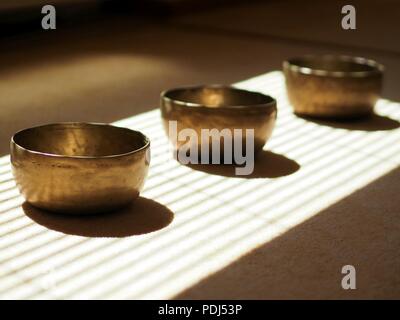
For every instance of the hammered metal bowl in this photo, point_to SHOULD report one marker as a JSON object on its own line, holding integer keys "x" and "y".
{"x": 331, "y": 86}
{"x": 79, "y": 167}
{"x": 219, "y": 107}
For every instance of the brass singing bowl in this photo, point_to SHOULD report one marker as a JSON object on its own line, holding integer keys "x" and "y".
{"x": 331, "y": 86}
{"x": 218, "y": 107}
{"x": 79, "y": 167}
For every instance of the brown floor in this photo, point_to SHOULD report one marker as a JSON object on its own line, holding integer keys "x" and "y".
{"x": 111, "y": 70}
{"x": 305, "y": 261}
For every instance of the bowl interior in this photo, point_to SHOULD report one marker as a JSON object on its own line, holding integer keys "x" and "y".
{"x": 217, "y": 97}
{"x": 80, "y": 140}
{"x": 334, "y": 64}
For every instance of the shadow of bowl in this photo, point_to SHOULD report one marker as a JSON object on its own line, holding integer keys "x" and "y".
{"x": 266, "y": 165}
{"x": 373, "y": 122}
{"x": 141, "y": 217}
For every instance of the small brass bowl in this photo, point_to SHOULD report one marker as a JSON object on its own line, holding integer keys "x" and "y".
{"x": 333, "y": 86}
{"x": 79, "y": 167}
{"x": 219, "y": 107}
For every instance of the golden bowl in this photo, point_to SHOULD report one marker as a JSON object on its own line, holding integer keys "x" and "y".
{"x": 218, "y": 107}
{"x": 80, "y": 167}
{"x": 333, "y": 86}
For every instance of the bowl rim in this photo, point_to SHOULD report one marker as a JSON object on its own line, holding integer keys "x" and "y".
{"x": 56, "y": 155}
{"x": 377, "y": 68}
{"x": 272, "y": 101}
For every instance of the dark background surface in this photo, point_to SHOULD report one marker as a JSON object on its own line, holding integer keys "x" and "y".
{"x": 109, "y": 60}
